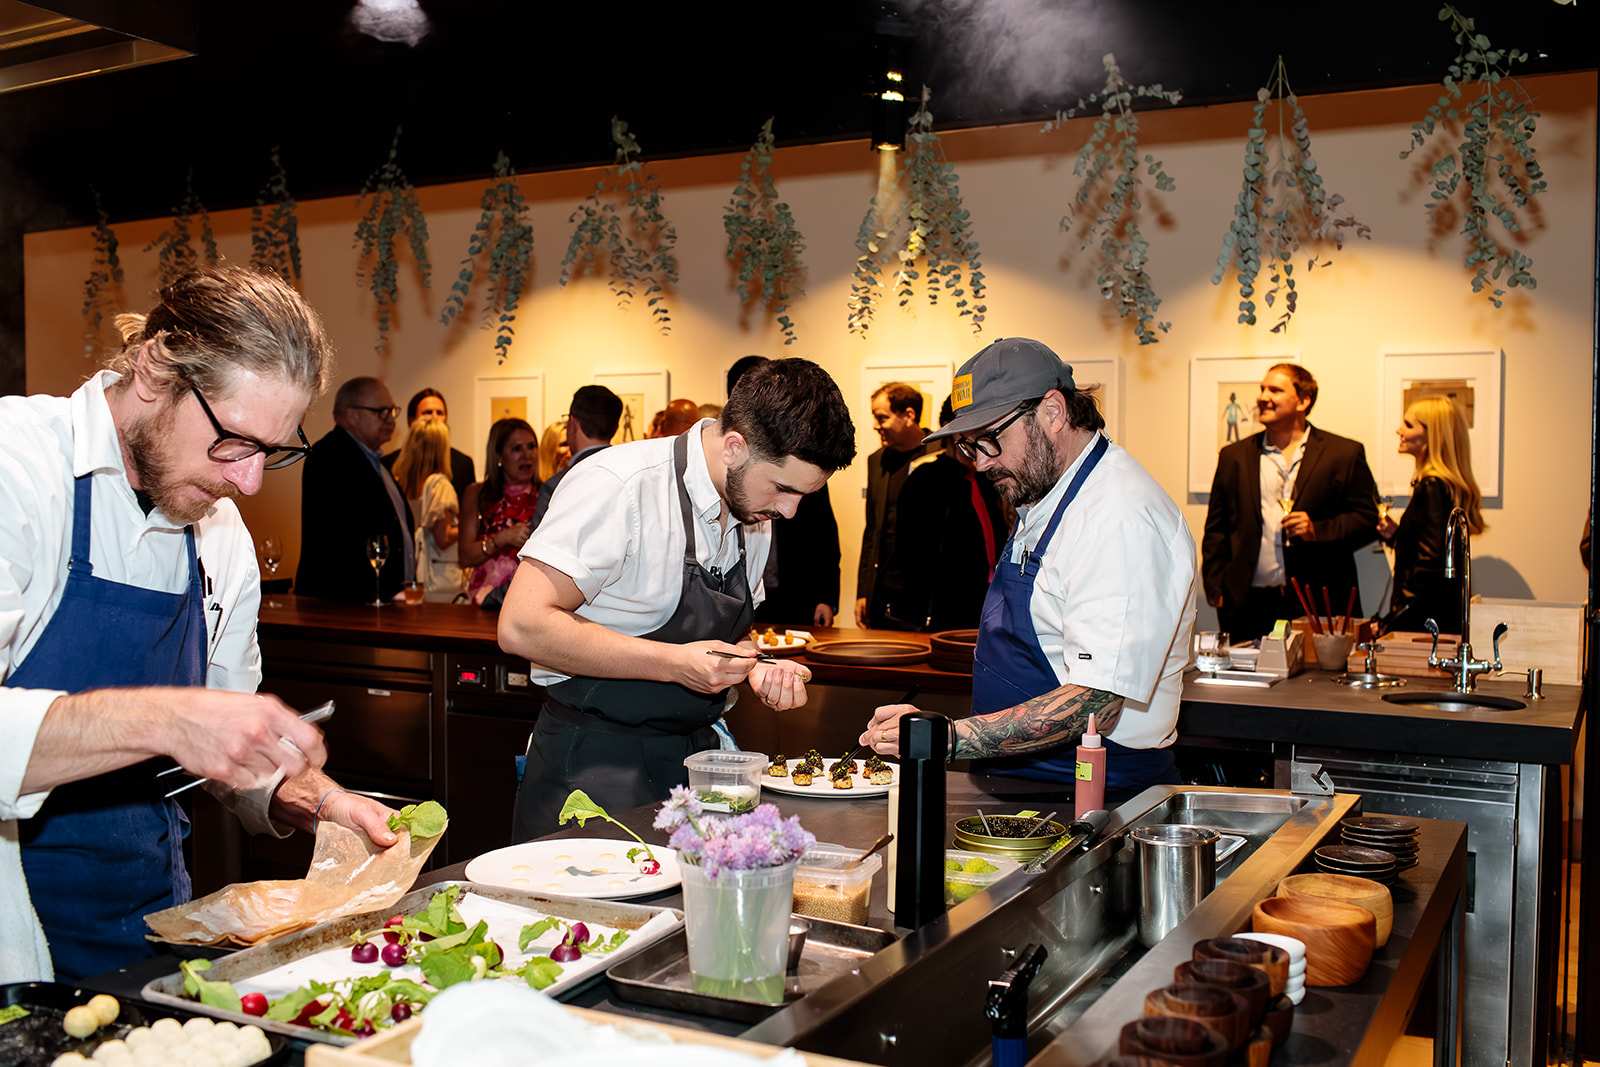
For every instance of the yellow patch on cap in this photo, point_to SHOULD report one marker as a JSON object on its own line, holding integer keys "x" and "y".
{"x": 961, "y": 392}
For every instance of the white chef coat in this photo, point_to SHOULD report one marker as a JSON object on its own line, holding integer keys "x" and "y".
{"x": 48, "y": 441}
{"x": 1114, "y": 602}
{"x": 615, "y": 527}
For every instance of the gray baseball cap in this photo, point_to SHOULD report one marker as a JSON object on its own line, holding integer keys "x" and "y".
{"x": 993, "y": 382}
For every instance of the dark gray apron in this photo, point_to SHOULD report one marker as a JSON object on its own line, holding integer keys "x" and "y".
{"x": 623, "y": 741}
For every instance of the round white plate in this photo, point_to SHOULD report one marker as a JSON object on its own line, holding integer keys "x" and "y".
{"x": 822, "y": 786}
{"x": 575, "y": 867}
{"x": 780, "y": 647}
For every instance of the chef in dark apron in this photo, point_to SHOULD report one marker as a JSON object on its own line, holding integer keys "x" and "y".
{"x": 1116, "y": 598}
{"x": 648, "y": 559}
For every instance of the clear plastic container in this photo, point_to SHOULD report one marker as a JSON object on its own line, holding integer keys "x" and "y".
{"x": 726, "y": 781}
{"x": 823, "y": 889}
{"x": 979, "y": 871}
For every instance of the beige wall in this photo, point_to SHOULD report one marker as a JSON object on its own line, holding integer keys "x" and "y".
{"x": 1389, "y": 295}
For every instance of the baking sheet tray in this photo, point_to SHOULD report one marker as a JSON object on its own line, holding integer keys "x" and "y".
{"x": 659, "y": 975}
{"x": 247, "y": 963}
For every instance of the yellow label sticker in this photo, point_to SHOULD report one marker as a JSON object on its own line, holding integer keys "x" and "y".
{"x": 961, "y": 392}
{"x": 1085, "y": 771}
{"x": 1280, "y": 629}
{"x": 1026, "y": 815}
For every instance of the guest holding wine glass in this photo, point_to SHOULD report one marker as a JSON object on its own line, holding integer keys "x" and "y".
{"x": 423, "y": 471}
{"x": 497, "y": 513}
{"x": 1433, "y": 432}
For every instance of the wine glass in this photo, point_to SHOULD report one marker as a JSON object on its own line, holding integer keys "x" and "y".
{"x": 377, "y": 555}
{"x": 1286, "y": 503}
{"x": 271, "y": 552}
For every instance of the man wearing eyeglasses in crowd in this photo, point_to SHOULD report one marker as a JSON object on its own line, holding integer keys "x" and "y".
{"x": 349, "y": 501}
{"x": 128, "y": 597}
{"x": 1092, "y": 602}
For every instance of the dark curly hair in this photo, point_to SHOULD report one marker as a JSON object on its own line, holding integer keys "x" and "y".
{"x": 792, "y": 407}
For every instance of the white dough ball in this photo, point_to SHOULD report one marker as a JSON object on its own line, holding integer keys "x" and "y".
{"x": 198, "y": 1025}
{"x": 105, "y": 1008}
{"x": 112, "y": 1050}
{"x": 70, "y": 1059}
{"x": 168, "y": 1030}
{"x": 225, "y": 1028}
{"x": 80, "y": 1021}
{"x": 139, "y": 1037}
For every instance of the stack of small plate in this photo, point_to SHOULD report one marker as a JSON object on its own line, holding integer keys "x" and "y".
{"x": 1395, "y": 836}
{"x": 1376, "y": 864}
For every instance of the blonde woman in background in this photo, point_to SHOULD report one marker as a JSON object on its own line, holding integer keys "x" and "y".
{"x": 423, "y": 471}
{"x": 553, "y": 450}
{"x": 1434, "y": 433}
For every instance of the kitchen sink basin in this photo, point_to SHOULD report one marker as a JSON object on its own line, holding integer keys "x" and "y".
{"x": 1450, "y": 700}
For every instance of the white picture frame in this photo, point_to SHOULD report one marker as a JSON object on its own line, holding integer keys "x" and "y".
{"x": 931, "y": 379}
{"x": 1105, "y": 376}
{"x": 643, "y": 393}
{"x": 1478, "y": 374}
{"x": 496, "y": 396}
{"x": 1211, "y": 380}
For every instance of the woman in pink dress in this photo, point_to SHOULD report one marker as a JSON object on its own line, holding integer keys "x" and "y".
{"x": 497, "y": 513}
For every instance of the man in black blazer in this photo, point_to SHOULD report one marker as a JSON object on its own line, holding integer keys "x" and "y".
{"x": 880, "y": 588}
{"x": 347, "y": 496}
{"x": 1292, "y": 501}
{"x": 429, "y": 404}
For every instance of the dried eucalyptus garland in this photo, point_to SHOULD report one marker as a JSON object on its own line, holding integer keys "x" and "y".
{"x": 1282, "y": 203}
{"x": 640, "y": 256}
{"x": 391, "y": 210}
{"x": 505, "y": 231}
{"x": 941, "y": 227}
{"x": 764, "y": 244}
{"x": 275, "y": 227}
{"x": 1106, "y": 207}
{"x": 876, "y": 244}
{"x": 1498, "y": 129}
{"x": 104, "y": 272}
{"x": 174, "y": 246}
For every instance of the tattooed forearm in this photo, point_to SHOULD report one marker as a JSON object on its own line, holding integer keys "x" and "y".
{"x": 1058, "y": 717}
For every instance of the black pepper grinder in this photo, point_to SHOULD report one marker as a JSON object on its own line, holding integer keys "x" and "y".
{"x": 919, "y": 876}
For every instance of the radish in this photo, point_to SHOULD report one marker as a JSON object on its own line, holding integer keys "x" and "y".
{"x": 566, "y": 952}
{"x": 253, "y": 1003}
{"x": 394, "y": 955}
{"x": 366, "y": 952}
{"x": 400, "y": 1012}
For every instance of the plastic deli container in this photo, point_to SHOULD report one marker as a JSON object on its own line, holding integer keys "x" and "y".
{"x": 967, "y": 874}
{"x": 824, "y": 889}
{"x": 726, "y": 781}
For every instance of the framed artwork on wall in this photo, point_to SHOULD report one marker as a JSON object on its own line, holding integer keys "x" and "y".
{"x": 1471, "y": 380}
{"x": 1104, "y": 377}
{"x": 513, "y": 396}
{"x": 643, "y": 393}
{"x": 932, "y": 380}
{"x": 1222, "y": 408}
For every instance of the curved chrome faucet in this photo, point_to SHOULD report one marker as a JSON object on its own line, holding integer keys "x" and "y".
{"x": 1463, "y": 666}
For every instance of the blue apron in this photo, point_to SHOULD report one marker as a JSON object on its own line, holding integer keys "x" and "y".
{"x": 1009, "y": 667}
{"x": 104, "y": 852}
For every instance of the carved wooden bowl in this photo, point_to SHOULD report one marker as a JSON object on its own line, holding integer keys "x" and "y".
{"x": 1270, "y": 960}
{"x": 1339, "y": 937}
{"x": 1362, "y": 892}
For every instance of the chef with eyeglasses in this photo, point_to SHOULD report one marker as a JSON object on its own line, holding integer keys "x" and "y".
{"x": 128, "y": 597}
{"x": 1092, "y": 602}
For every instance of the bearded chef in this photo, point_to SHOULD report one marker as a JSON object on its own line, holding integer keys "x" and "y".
{"x": 1092, "y": 602}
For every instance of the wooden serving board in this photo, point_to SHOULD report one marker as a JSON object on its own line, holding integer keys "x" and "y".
{"x": 393, "y": 1046}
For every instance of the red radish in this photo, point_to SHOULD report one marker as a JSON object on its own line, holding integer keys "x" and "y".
{"x": 253, "y": 1003}
{"x": 400, "y": 1012}
{"x": 424, "y": 935}
{"x": 391, "y": 929}
{"x": 565, "y": 952}
{"x": 394, "y": 955}
{"x": 343, "y": 1020}
{"x": 578, "y": 934}
{"x": 309, "y": 1012}
{"x": 366, "y": 1029}
{"x": 366, "y": 952}
{"x": 650, "y": 866}
{"x": 394, "y": 920}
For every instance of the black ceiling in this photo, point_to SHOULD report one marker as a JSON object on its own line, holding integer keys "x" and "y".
{"x": 541, "y": 80}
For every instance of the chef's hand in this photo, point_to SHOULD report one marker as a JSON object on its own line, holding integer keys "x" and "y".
{"x": 1298, "y": 524}
{"x": 780, "y": 685}
{"x": 233, "y": 738}
{"x": 883, "y": 732}
{"x": 361, "y": 814}
{"x": 693, "y": 669}
{"x": 822, "y": 615}
{"x": 861, "y": 612}
{"x": 1386, "y": 527}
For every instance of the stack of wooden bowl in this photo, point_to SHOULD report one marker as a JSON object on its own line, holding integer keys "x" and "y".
{"x": 1340, "y": 919}
{"x": 952, "y": 650}
{"x": 1385, "y": 833}
{"x": 1226, "y": 1002}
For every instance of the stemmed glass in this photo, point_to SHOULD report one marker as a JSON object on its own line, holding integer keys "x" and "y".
{"x": 271, "y": 552}
{"x": 1287, "y": 504}
{"x": 377, "y": 555}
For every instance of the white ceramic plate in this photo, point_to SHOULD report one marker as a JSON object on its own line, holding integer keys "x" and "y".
{"x": 575, "y": 867}
{"x": 780, "y": 647}
{"x": 822, "y": 786}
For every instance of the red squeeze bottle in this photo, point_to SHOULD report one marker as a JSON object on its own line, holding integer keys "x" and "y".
{"x": 1089, "y": 791}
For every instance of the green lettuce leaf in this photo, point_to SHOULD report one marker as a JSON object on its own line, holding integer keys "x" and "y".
{"x": 424, "y": 820}
{"x": 533, "y": 931}
{"x": 288, "y": 1006}
{"x": 541, "y": 972}
{"x": 579, "y": 806}
{"x": 212, "y": 994}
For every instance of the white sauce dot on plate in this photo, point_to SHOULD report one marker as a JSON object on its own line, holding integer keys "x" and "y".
{"x": 615, "y": 883}
{"x": 564, "y": 858}
{"x": 521, "y": 881}
{"x": 552, "y": 885}
{"x": 521, "y": 868}
{"x": 606, "y": 857}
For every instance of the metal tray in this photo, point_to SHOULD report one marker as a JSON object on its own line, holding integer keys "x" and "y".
{"x": 134, "y": 1013}
{"x": 248, "y": 962}
{"x": 659, "y": 975}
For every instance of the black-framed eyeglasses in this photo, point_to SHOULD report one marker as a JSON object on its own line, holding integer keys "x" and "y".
{"x": 390, "y": 412}
{"x": 230, "y": 447}
{"x": 988, "y": 442}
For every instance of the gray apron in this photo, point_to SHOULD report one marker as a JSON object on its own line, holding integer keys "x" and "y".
{"x": 623, "y": 741}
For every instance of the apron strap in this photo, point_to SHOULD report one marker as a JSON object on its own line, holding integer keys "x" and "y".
{"x": 680, "y": 462}
{"x": 1039, "y": 547}
{"x": 82, "y": 518}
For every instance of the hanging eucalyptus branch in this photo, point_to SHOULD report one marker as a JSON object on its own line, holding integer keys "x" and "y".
{"x": 764, "y": 244}
{"x": 1286, "y": 198}
{"x": 1498, "y": 129}
{"x": 879, "y": 239}
{"x": 275, "y": 227}
{"x": 174, "y": 247}
{"x": 941, "y": 228}
{"x": 1106, "y": 207}
{"x": 510, "y": 248}
{"x": 391, "y": 210}
{"x": 105, "y": 272}
{"x": 640, "y": 256}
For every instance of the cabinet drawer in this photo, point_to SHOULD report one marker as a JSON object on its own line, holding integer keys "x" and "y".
{"x": 375, "y": 734}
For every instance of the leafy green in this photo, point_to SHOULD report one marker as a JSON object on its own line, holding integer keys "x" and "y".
{"x": 441, "y": 918}
{"x": 424, "y": 820}
{"x": 390, "y": 210}
{"x": 604, "y": 946}
{"x": 764, "y": 243}
{"x": 541, "y": 972}
{"x": 210, "y": 993}
{"x": 460, "y": 958}
{"x": 454, "y": 941}
{"x": 290, "y": 1005}
{"x": 407, "y": 990}
{"x": 533, "y": 931}
{"x": 510, "y": 249}
{"x": 635, "y": 853}
{"x": 579, "y": 806}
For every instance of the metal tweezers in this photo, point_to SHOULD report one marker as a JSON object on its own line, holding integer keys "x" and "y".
{"x": 315, "y": 715}
{"x": 759, "y": 657}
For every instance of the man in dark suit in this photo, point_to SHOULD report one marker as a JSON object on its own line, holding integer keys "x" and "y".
{"x": 347, "y": 497}
{"x": 1292, "y": 501}
{"x": 429, "y": 404}
{"x": 897, "y": 416}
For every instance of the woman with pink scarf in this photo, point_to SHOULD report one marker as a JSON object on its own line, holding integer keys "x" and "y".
{"x": 497, "y": 513}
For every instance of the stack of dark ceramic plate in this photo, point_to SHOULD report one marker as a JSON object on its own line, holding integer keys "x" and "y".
{"x": 1392, "y": 835}
{"x": 1376, "y": 864}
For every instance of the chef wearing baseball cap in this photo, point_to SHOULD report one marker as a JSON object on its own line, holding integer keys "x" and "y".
{"x": 1092, "y": 602}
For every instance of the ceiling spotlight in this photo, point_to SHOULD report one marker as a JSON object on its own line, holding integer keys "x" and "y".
{"x": 395, "y": 21}
{"x": 889, "y": 114}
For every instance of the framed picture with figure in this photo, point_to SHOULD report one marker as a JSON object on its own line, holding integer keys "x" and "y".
{"x": 932, "y": 380}
{"x": 1102, "y": 378}
{"x": 511, "y": 396}
{"x": 643, "y": 393}
{"x": 1222, "y": 408}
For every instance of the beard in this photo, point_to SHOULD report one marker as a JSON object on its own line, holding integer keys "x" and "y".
{"x": 1035, "y": 476}
{"x": 146, "y": 441}
{"x": 738, "y": 500}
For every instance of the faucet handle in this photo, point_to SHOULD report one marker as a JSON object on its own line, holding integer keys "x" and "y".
{"x": 1371, "y": 648}
{"x": 1499, "y": 632}
{"x": 1432, "y": 626}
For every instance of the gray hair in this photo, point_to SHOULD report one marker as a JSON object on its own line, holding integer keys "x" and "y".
{"x": 353, "y": 392}
{"x": 217, "y": 321}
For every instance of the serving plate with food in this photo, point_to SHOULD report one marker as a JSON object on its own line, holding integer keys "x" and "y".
{"x": 866, "y": 775}
{"x": 591, "y": 868}
{"x": 784, "y": 643}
